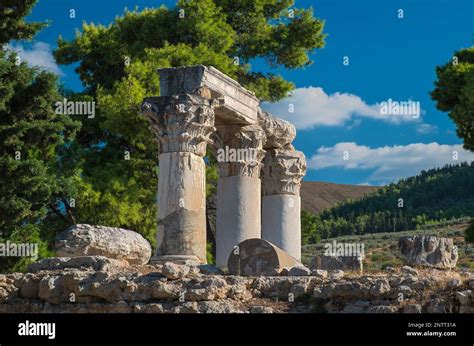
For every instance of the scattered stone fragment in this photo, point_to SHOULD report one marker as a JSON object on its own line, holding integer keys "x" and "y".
{"x": 405, "y": 290}
{"x": 429, "y": 251}
{"x": 174, "y": 271}
{"x": 337, "y": 274}
{"x": 407, "y": 270}
{"x": 380, "y": 287}
{"x": 299, "y": 271}
{"x": 148, "y": 308}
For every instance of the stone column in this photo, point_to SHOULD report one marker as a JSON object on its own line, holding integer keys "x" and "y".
{"x": 283, "y": 170}
{"x": 183, "y": 125}
{"x": 239, "y": 154}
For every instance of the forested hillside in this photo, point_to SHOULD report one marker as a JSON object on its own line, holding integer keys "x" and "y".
{"x": 432, "y": 196}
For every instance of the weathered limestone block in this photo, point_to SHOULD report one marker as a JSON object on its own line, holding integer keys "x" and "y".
{"x": 281, "y": 204}
{"x": 117, "y": 243}
{"x": 258, "y": 257}
{"x": 147, "y": 289}
{"x": 96, "y": 263}
{"x": 280, "y": 133}
{"x": 409, "y": 270}
{"x": 337, "y": 274}
{"x": 238, "y": 214}
{"x": 212, "y": 288}
{"x": 238, "y": 105}
{"x": 336, "y": 263}
{"x": 299, "y": 271}
{"x": 29, "y": 286}
{"x": 281, "y": 286}
{"x": 219, "y": 307}
{"x": 165, "y": 290}
{"x": 429, "y": 251}
{"x": 175, "y": 271}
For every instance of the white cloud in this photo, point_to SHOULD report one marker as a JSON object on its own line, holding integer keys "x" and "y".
{"x": 426, "y": 129}
{"x": 313, "y": 107}
{"x": 365, "y": 183}
{"x": 388, "y": 163}
{"x": 40, "y": 54}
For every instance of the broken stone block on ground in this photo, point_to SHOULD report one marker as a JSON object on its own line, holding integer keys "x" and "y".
{"x": 258, "y": 257}
{"x": 429, "y": 251}
{"x": 117, "y": 243}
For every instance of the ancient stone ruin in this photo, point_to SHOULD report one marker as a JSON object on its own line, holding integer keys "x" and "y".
{"x": 99, "y": 284}
{"x": 260, "y": 171}
{"x": 258, "y": 231}
{"x": 429, "y": 251}
{"x": 105, "y": 270}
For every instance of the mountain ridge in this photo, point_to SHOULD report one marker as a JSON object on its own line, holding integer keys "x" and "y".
{"x": 317, "y": 196}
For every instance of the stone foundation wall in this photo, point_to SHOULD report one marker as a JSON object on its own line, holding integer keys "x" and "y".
{"x": 99, "y": 284}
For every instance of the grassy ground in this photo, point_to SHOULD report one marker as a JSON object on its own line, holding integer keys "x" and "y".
{"x": 381, "y": 249}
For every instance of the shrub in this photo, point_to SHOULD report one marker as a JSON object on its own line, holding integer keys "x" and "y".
{"x": 469, "y": 232}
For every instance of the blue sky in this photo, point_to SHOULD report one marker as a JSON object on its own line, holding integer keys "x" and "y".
{"x": 336, "y": 107}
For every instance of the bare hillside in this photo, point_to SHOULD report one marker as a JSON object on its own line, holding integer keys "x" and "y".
{"x": 317, "y": 196}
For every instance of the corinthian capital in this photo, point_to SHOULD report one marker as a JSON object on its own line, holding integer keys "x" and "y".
{"x": 182, "y": 123}
{"x": 282, "y": 171}
{"x": 280, "y": 133}
{"x": 239, "y": 150}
